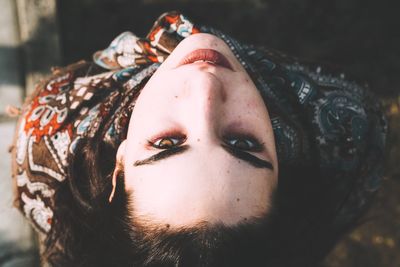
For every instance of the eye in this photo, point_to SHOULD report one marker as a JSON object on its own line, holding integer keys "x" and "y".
{"x": 244, "y": 143}
{"x": 166, "y": 142}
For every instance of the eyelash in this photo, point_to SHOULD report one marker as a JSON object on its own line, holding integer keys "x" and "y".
{"x": 167, "y": 135}
{"x": 180, "y": 139}
{"x": 158, "y": 146}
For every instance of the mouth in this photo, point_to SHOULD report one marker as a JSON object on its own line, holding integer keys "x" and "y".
{"x": 208, "y": 56}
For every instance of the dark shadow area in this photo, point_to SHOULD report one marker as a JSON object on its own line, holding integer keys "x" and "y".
{"x": 360, "y": 35}
{"x": 33, "y": 56}
{"x": 38, "y": 51}
{"x": 10, "y": 60}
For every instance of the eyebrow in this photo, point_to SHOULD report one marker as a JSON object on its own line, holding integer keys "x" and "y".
{"x": 249, "y": 158}
{"x": 253, "y": 160}
{"x": 162, "y": 155}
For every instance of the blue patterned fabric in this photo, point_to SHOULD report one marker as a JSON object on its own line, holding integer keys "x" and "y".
{"x": 321, "y": 113}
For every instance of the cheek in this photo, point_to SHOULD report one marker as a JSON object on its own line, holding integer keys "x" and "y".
{"x": 244, "y": 94}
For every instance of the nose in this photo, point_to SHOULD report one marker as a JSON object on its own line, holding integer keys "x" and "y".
{"x": 208, "y": 96}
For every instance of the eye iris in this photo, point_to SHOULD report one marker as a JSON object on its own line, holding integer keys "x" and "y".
{"x": 242, "y": 144}
{"x": 166, "y": 142}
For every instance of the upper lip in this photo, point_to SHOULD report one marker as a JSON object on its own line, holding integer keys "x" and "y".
{"x": 207, "y": 55}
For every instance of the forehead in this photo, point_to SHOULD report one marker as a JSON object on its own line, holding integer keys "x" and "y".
{"x": 205, "y": 186}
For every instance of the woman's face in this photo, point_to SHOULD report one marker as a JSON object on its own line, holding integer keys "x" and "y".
{"x": 200, "y": 147}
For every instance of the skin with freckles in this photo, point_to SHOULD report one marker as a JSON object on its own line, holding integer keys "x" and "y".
{"x": 217, "y": 161}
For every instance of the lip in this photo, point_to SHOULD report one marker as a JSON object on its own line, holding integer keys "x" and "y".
{"x": 209, "y": 56}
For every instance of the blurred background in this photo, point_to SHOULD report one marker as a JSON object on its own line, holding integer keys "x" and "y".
{"x": 361, "y": 36}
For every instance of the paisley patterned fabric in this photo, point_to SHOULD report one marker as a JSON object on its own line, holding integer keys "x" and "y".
{"x": 314, "y": 111}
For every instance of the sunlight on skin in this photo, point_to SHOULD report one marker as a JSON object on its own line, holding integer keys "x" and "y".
{"x": 200, "y": 105}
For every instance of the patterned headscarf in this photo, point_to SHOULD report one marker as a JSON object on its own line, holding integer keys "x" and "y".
{"x": 313, "y": 110}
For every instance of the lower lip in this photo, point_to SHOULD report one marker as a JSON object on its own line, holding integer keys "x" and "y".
{"x": 207, "y": 56}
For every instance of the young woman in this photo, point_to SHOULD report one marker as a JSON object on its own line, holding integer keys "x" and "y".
{"x": 188, "y": 148}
